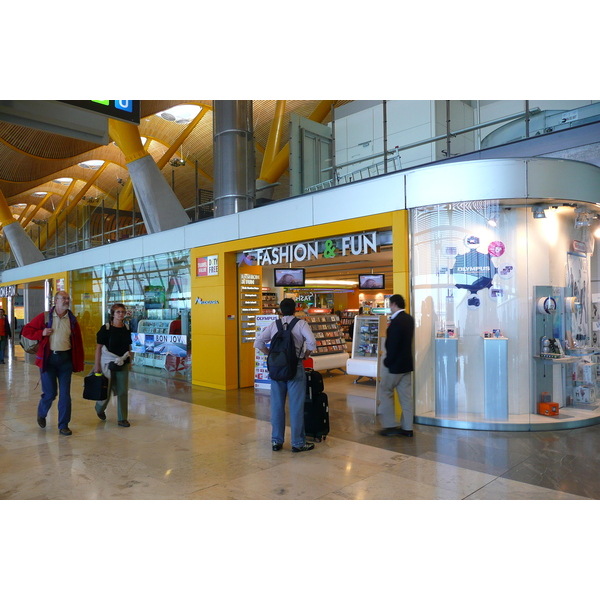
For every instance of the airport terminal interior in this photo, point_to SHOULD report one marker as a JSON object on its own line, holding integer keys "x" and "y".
{"x": 200, "y": 430}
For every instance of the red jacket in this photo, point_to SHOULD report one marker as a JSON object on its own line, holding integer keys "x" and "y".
{"x": 33, "y": 331}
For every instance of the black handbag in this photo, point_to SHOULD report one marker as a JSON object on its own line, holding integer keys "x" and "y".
{"x": 95, "y": 387}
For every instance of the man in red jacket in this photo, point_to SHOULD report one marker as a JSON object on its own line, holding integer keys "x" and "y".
{"x": 59, "y": 354}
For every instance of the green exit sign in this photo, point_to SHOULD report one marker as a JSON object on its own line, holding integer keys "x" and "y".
{"x": 124, "y": 110}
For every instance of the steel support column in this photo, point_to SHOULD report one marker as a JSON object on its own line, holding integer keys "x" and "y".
{"x": 233, "y": 152}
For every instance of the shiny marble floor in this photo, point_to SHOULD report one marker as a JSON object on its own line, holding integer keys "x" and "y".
{"x": 188, "y": 442}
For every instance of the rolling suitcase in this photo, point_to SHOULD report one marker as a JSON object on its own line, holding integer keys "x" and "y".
{"x": 316, "y": 407}
{"x": 314, "y": 383}
{"x": 316, "y": 417}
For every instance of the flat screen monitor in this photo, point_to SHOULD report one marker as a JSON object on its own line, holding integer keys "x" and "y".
{"x": 289, "y": 277}
{"x": 371, "y": 282}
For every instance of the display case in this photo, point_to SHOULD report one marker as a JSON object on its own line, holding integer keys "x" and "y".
{"x": 330, "y": 352}
{"x": 368, "y": 331}
{"x": 153, "y": 333}
{"x": 270, "y": 305}
{"x": 583, "y": 393}
{"x": 327, "y": 332}
{"x": 347, "y": 323}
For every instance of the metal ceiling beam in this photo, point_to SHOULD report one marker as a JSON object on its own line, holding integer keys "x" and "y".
{"x": 159, "y": 206}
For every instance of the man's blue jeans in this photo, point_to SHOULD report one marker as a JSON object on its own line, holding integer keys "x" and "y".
{"x": 57, "y": 377}
{"x": 296, "y": 390}
{"x": 3, "y": 345}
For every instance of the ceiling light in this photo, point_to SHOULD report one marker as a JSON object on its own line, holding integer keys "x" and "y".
{"x": 182, "y": 114}
{"x": 329, "y": 282}
{"x": 38, "y": 194}
{"x": 91, "y": 164}
{"x": 492, "y": 222}
{"x": 63, "y": 180}
{"x": 538, "y": 212}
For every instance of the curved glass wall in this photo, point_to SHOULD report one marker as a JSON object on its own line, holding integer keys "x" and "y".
{"x": 502, "y": 299}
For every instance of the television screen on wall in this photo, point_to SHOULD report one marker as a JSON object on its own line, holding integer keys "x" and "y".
{"x": 371, "y": 282}
{"x": 289, "y": 277}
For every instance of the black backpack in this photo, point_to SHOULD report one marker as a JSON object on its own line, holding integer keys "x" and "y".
{"x": 282, "y": 360}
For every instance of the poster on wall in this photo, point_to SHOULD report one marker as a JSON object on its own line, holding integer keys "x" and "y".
{"x": 261, "y": 373}
{"x": 158, "y": 343}
{"x": 154, "y": 296}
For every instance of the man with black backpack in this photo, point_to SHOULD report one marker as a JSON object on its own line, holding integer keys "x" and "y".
{"x": 290, "y": 341}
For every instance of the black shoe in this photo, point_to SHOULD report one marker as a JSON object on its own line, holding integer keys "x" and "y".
{"x": 102, "y": 416}
{"x": 307, "y": 446}
{"x": 124, "y": 423}
{"x": 65, "y": 431}
{"x": 2, "y": 362}
{"x": 42, "y": 422}
{"x": 391, "y": 431}
{"x": 277, "y": 447}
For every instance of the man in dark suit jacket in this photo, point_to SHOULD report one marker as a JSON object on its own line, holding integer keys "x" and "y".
{"x": 396, "y": 372}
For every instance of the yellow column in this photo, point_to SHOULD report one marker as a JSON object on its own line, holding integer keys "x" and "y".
{"x": 400, "y": 253}
{"x": 36, "y": 209}
{"x": 214, "y": 322}
{"x": 6, "y": 217}
{"x": 274, "y": 137}
{"x": 282, "y": 161}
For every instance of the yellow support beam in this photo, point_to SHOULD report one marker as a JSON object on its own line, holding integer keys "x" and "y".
{"x": 274, "y": 137}
{"x": 65, "y": 213}
{"x": 51, "y": 225}
{"x": 282, "y": 161}
{"x": 126, "y": 196}
{"x": 166, "y": 157}
{"x": 36, "y": 209}
{"x": 6, "y": 217}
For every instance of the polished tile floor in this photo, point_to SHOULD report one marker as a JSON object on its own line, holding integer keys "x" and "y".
{"x": 188, "y": 442}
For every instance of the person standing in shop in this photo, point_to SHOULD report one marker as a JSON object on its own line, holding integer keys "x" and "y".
{"x": 4, "y": 334}
{"x": 295, "y": 388}
{"x": 113, "y": 347}
{"x": 396, "y": 372}
{"x": 59, "y": 355}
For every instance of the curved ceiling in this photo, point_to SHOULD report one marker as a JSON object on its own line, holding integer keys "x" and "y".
{"x": 30, "y": 160}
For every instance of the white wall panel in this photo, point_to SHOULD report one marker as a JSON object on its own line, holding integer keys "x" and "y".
{"x": 211, "y": 231}
{"x": 569, "y": 180}
{"x": 472, "y": 180}
{"x": 359, "y": 199}
{"x": 281, "y": 216}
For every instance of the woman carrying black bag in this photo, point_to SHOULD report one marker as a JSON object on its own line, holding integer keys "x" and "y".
{"x": 113, "y": 345}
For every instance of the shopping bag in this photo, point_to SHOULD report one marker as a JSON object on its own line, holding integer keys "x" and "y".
{"x": 95, "y": 387}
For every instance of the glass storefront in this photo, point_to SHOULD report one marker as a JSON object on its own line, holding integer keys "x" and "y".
{"x": 156, "y": 292}
{"x": 503, "y": 309}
